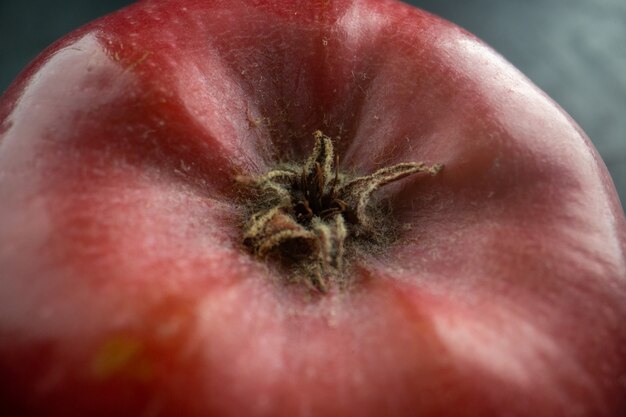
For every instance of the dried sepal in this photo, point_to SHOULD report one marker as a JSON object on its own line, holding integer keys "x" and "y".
{"x": 268, "y": 230}
{"x": 320, "y": 163}
{"x": 357, "y": 192}
{"x": 331, "y": 236}
{"x": 319, "y": 206}
{"x": 273, "y": 182}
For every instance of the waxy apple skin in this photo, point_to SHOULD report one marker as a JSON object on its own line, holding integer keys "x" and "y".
{"x": 125, "y": 289}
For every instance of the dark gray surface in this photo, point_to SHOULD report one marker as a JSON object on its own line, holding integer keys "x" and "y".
{"x": 28, "y": 26}
{"x": 573, "y": 49}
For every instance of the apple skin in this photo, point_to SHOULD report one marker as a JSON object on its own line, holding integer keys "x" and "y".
{"x": 125, "y": 289}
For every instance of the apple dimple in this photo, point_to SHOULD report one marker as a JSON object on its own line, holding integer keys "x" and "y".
{"x": 312, "y": 215}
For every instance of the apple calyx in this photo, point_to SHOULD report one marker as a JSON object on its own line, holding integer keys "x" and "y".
{"x": 308, "y": 213}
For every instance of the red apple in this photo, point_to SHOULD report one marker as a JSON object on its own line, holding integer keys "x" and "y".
{"x": 498, "y": 287}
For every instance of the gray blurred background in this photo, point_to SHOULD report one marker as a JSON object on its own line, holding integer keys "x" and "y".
{"x": 575, "y": 50}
